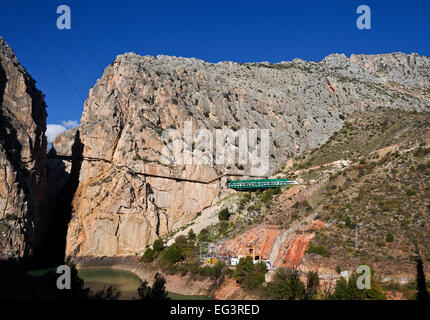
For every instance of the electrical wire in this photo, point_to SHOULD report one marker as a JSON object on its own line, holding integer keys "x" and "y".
{"x": 22, "y": 17}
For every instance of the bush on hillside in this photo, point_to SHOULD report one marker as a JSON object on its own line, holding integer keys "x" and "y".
{"x": 149, "y": 255}
{"x": 389, "y": 238}
{"x": 158, "y": 245}
{"x": 248, "y": 274}
{"x": 320, "y": 250}
{"x": 172, "y": 254}
{"x": 224, "y": 215}
{"x": 286, "y": 285}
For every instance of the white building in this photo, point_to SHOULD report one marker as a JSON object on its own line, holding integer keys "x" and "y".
{"x": 234, "y": 261}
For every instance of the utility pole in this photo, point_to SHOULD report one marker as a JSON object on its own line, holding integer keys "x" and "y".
{"x": 356, "y": 237}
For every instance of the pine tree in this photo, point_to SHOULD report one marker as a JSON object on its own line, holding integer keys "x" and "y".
{"x": 313, "y": 282}
{"x": 191, "y": 235}
{"x": 157, "y": 292}
{"x": 422, "y": 293}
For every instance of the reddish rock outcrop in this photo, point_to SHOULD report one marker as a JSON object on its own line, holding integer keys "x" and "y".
{"x": 295, "y": 252}
{"x": 256, "y": 242}
{"x": 395, "y": 295}
{"x": 318, "y": 224}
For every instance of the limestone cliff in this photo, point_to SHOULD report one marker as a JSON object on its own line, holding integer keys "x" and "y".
{"x": 126, "y": 196}
{"x": 22, "y": 159}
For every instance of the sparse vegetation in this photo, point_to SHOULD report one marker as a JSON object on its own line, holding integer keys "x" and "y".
{"x": 348, "y": 290}
{"x": 286, "y": 285}
{"x": 318, "y": 249}
{"x": 248, "y": 274}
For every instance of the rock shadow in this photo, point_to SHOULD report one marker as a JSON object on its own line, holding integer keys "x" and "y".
{"x": 54, "y": 248}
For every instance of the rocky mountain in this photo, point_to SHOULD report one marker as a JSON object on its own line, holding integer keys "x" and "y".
{"x": 363, "y": 198}
{"x": 22, "y": 159}
{"x": 376, "y": 205}
{"x": 125, "y": 195}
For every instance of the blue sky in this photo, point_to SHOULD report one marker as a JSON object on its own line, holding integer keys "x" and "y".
{"x": 67, "y": 63}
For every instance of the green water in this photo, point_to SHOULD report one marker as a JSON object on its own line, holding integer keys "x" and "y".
{"x": 40, "y": 272}
{"x": 125, "y": 282}
{"x": 175, "y": 296}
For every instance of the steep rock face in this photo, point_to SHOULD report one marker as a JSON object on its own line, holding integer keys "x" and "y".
{"x": 410, "y": 70}
{"x": 120, "y": 205}
{"x": 22, "y": 159}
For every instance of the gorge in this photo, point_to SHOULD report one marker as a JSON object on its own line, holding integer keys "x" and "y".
{"x": 103, "y": 192}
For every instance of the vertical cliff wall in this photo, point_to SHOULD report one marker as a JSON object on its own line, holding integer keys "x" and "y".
{"x": 22, "y": 159}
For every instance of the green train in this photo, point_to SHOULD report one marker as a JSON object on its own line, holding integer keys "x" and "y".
{"x": 259, "y": 184}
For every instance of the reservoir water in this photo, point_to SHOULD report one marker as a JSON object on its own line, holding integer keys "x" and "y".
{"x": 126, "y": 283}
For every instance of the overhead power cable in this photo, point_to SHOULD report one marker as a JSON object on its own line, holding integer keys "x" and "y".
{"x": 22, "y": 17}
{"x": 88, "y": 44}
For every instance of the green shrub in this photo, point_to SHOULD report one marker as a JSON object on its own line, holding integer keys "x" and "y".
{"x": 204, "y": 235}
{"x": 320, "y": 250}
{"x": 148, "y": 256}
{"x": 302, "y": 205}
{"x": 181, "y": 241}
{"x": 410, "y": 192}
{"x": 380, "y": 244}
{"x": 267, "y": 195}
{"x": 277, "y": 190}
{"x": 312, "y": 285}
{"x": 247, "y": 196}
{"x": 156, "y": 292}
{"x": 422, "y": 293}
{"x": 224, "y": 215}
{"x": 348, "y": 290}
{"x": 212, "y": 272}
{"x": 421, "y": 152}
{"x": 158, "y": 245}
{"x": 241, "y": 205}
{"x": 286, "y": 284}
{"x": 206, "y": 271}
{"x": 194, "y": 268}
{"x": 223, "y": 228}
{"x": 172, "y": 254}
{"x": 348, "y": 222}
{"x": 243, "y": 201}
{"x": 189, "y": 253}
{"x": 389, "y": 238}
{"x": 248, "y": 274}
{"x": 191, "y": 235}
{"x": 421, "y": 167}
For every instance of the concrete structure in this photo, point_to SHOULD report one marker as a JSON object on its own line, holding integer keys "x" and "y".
{"x": 234, "y": 261}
